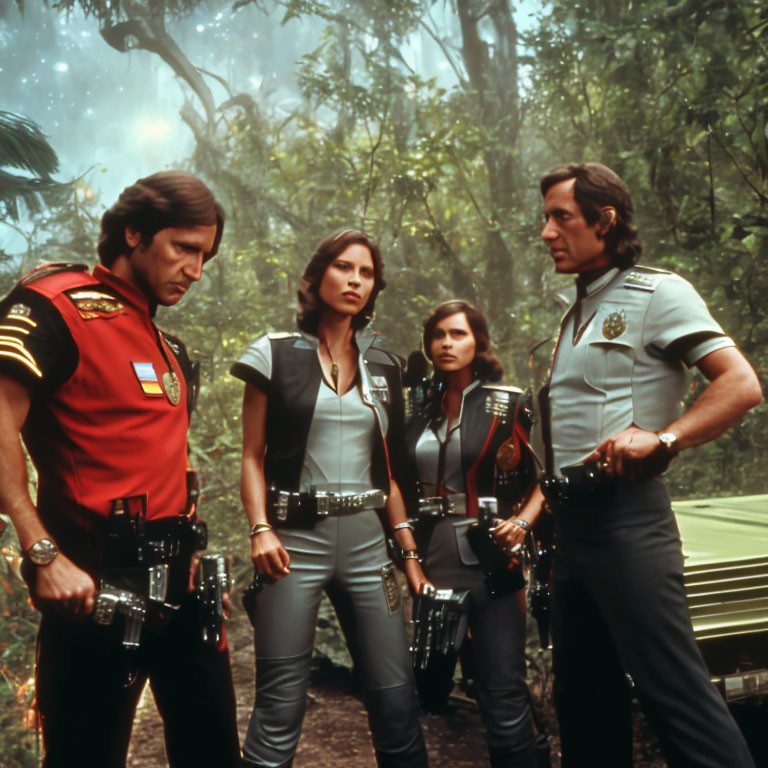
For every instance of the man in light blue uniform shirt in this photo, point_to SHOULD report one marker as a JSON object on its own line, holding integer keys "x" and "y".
{"x": 611, "y": 423}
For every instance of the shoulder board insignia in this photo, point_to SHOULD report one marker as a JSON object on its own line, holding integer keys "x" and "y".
{"x": 92, "y": 303}
{"x": 643, "y": 281}
{"x": 44, "y": 270}
{"x": 19, "y": 310}
{"x": 283, "y": 335}
{"x": 502, "y": 388}
{"x": 383, "y": 357}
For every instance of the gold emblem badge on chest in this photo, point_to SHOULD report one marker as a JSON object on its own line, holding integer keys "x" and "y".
{"x": 615, "y": 324}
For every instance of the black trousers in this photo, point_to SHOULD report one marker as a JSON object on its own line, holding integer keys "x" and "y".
{"x": 497, "y": 626}
{"x": 87, "y": 711}
{"x": 619, "y": 609}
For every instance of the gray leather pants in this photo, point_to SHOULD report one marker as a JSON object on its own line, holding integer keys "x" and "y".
{"x": 497, "y": 628}
{"x": 346, "y": 556}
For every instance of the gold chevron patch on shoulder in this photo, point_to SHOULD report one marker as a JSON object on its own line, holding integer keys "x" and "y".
{"x": 92, "y": 304}
{"x": 12, "y": 337}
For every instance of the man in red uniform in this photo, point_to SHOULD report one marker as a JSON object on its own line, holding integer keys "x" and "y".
{"x": 102, "y": 399}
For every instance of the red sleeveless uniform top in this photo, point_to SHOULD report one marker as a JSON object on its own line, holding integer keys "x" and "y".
{"x": 110, "y": 430}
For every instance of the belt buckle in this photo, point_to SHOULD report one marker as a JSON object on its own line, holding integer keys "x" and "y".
{"x": 281, "y": 506}
{"x": 323, "y": 500}
{"x": 158, "y": 582}
{"x": 430, "y": 508}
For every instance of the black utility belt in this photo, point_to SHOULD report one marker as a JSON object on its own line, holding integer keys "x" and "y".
{"x": 579, "y": 483}
{"x": 432, "y": 507}
{"x": 455, "y": 505}
{"x": 158, "y": 541}
{"x": 131, "y": 538}
{"x": 302, "y": 509}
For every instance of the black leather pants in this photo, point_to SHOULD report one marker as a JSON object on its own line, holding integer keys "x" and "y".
{"x": 497, "y": 626}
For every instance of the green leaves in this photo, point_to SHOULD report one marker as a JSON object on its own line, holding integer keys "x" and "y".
{"x": 23, "y": 146}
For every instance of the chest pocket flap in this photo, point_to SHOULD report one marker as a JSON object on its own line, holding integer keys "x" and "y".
{"x": 609, "y": 343}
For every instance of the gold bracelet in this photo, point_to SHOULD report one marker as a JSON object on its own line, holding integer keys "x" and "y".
{"x": 259, "y": 527}
{"x": 410, "y": 554}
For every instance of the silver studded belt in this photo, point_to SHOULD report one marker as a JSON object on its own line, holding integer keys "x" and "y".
{"x": 324, "y": 503}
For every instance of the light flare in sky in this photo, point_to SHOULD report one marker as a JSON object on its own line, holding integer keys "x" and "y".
{"x": 148, "y": 129}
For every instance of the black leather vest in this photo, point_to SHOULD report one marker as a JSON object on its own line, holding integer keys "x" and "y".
{"x": 488, "y": 420}
{"x": 292, "y": 394}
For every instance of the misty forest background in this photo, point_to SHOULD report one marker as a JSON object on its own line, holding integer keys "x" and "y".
{"x": 425, "y": 122}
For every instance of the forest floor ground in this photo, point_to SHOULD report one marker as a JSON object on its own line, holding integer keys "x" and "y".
{"x": 335, "y": 727}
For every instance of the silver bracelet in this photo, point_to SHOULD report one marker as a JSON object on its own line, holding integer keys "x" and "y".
{"x": 400, "y": 526}
{"x": 523, "y": 524}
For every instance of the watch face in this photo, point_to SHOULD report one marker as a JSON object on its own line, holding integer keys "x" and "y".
{"x": 668, "y": 439}
{"x": 42, "y": 552}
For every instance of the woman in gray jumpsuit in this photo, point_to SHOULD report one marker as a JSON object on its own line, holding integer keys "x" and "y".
{"x": 321, "y": 411}
{"x": 468, "y": 447}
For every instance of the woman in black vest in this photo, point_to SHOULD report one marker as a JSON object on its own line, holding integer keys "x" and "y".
{"x": 470, "y": 460}
{"x": 321, "y": 409}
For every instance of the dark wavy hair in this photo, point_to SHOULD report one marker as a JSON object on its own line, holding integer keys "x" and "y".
{"x": 485, "y": 366}
{"x": 162, "y": 200}
{"x": 310, "y": 303}
{"x": 597, "y": 186}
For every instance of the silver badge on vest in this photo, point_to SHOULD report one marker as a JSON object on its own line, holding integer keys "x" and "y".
{"x": 379, "y": 388}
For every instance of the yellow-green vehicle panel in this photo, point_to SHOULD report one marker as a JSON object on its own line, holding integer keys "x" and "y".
{"x": 725, "y": 544}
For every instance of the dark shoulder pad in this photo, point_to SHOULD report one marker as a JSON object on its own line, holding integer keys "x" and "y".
{"x": 382, "y": 356}
{"x": 45, "y": 270}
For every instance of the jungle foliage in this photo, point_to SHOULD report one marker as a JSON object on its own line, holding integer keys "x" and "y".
{"x": 672, "y": 95}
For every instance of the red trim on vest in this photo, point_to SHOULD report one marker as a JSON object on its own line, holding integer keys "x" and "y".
{"x": 472, "y": 505}
{"x": 222, "y": 646}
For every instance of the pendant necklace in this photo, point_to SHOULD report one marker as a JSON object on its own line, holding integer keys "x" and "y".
{"x": 334, "y": 368}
